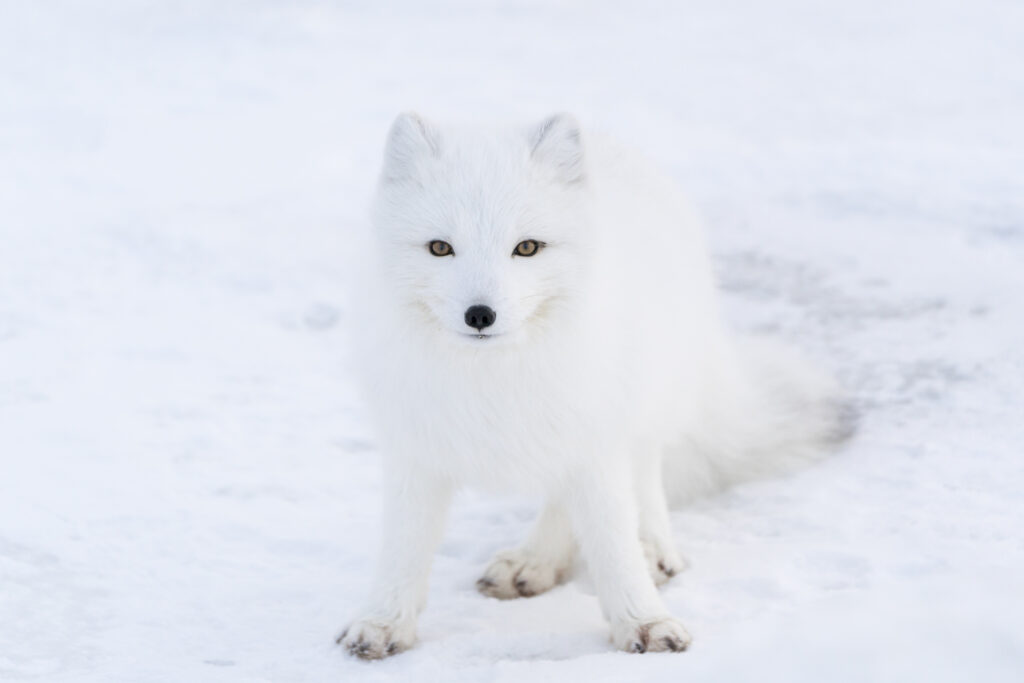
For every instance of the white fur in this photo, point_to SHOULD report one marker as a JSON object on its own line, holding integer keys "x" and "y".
{"x": 608, "y": 367}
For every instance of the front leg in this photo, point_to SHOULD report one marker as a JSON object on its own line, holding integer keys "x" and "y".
{"x": 603, "y": 512}
{"x": 415, "y": 508}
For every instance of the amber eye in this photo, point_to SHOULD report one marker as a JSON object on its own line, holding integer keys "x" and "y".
{"x": 439, "y": 248}
{"x": 528, "y": 248}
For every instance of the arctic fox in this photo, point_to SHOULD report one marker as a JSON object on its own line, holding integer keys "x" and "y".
{"x": 542, "y": 318}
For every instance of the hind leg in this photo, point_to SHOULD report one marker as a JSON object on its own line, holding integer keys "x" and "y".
{"x": 663, "y": 561}
{"x": 541, "y": 563}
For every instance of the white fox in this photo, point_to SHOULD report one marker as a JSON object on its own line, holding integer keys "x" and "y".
{"x": 542, "y": 318}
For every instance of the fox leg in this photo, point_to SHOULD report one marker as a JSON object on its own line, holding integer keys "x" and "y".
{"x": 663, "y": 561}
{"x": 416, "y": 505}
{"x": 540, "y": 563}
{"x": 603, "y": 512}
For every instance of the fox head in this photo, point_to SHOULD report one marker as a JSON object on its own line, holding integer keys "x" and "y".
{"x": 479, "y": 232}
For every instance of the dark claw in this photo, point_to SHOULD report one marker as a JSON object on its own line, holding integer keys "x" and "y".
{"x": 669, "y": 572}
{"x": 341, "y": 637}
{"x": 645, "y": 639}
{"x": 392, "y": 648}
{"x": 674, "y": 644}
{"x": 524, "y": 589}
{"x": 483, "y": 583}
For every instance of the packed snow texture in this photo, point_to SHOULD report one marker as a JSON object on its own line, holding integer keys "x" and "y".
{"x": 188, "y": 487}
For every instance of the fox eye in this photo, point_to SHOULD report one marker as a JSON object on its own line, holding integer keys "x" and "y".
{"x": 439, "y": 248}
{"x": 528, "y": 248}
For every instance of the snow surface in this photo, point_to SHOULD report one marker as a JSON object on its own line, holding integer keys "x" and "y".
{"x": 187, "y": 489}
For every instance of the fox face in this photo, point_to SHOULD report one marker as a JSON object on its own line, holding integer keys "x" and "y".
{"x": 479, "y": 232}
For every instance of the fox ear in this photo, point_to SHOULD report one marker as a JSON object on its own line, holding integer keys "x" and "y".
{"x": 411, "y": 138}
{"x": 557, "y": 143}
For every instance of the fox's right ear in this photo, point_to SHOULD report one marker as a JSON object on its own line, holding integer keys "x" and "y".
{"x": 556, "y": 143}
{"x": 410, "y": 139}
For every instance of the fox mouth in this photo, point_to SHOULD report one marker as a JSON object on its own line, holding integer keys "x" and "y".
{"x": 478, "y": 335}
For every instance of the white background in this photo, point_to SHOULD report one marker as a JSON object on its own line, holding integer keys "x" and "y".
{"x": 188, "y": 491}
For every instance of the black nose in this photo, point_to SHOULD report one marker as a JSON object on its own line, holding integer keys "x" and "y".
{"x": 480, "y": 317}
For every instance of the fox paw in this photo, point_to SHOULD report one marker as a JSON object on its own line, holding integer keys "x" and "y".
{"x": 663, "y": 562}
{"x": 662, "y": 635}
{"x": 376, "y": 639}
{"x": 518, "y": 574}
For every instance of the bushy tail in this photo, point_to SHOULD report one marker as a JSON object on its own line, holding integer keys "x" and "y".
{"x": 769, "y": 412}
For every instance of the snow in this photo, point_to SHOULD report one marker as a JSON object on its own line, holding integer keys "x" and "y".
{"x": 188, "y": 491}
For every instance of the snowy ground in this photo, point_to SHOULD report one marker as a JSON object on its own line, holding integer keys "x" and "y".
{"x": 187, "y": 490}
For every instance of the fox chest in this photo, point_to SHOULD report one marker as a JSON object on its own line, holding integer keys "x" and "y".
{"x": 499, "y": 431}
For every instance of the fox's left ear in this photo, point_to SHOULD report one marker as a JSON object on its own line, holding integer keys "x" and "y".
{"x": 410, "y": 139}
{"x": 557, "y": 142}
